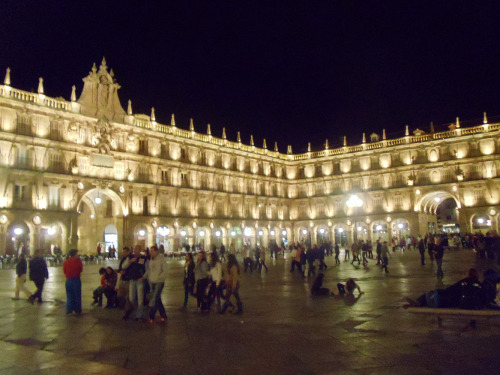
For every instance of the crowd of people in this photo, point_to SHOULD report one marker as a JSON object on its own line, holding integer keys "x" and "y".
{"x": 213, "y": 278}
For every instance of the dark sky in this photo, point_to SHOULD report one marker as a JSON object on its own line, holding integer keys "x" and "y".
{"x": 288, "y": 71}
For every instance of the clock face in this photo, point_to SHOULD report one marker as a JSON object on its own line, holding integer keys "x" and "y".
{"x": 37, "y": 220}
{"x": 121, "y": 189}
{"x": 3, "y": 219}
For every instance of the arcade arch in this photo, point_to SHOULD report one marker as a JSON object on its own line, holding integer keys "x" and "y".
{"x": 100, "y": 221}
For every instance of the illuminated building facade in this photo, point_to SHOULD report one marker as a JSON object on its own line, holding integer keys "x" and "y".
{"x": 85, "y": 171}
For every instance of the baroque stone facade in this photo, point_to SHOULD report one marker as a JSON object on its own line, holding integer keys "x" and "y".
{"x": 85, "y": 171}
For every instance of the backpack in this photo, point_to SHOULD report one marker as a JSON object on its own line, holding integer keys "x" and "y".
{"x": 471, "y": 295}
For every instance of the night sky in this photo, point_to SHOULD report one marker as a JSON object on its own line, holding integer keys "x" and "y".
{"x": 288, "y": 71}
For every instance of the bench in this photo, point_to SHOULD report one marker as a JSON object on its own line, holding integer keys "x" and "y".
{"x": 473, "y": 315}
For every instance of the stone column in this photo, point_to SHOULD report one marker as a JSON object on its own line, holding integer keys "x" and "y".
{"x": 73, "y": 231}
{"x": 3, "y": 239}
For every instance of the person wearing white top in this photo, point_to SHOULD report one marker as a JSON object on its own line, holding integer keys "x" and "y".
{"x": 156, "y": 272}
{"x": 216, "y": 276}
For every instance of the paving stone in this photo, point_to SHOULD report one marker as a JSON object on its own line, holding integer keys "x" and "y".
{"x": 283, "y": 330}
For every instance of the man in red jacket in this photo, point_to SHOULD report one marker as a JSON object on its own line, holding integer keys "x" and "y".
{"x": 72, "y": 268}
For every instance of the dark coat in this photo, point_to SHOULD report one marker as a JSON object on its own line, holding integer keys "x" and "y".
{"x": 38, "y": 269}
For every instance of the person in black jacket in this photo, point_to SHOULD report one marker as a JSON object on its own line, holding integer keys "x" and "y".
{"x": 135, "y": 267}
{"x": 465, "y": 294}
{"x": 21, "y": 270}
{"x": 189, "y": 280}
{"x": 38, "y": 274}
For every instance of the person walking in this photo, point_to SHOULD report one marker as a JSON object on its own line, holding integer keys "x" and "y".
{"x": 21, "y": 270}
{"x": 202, "y": 283}
{"x": 156, "y": 272}
{"x": 438, "y": 255}
{"x": 189, "y": 280}
{"x": 217, "y": 283}
{"x": 421, "y": 249}
{"x": 222, "y": 252}
{"x": 262, "y": 260}
{"x": 232, "y": 284}
{"x": 38, "y": 274}
{"x": 378, "y": 250}
{"x": 337, "y": 253}
{"x": 72, "y": 268}
{"x": 385, "y": 254}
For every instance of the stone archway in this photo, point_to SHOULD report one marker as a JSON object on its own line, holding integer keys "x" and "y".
{"x": 445, "y": 206}
{"x": 429, "y": 202}
{"x": 97, "y": 209}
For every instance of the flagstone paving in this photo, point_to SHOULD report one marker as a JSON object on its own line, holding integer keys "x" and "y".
{"x": 283, "y": 330}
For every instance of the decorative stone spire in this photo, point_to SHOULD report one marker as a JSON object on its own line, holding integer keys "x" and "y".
{"x": 103, "y": 68}
{"x": 326, "y": 145}
{"x": 345, "y": 141}
{"x": 129, "y": 108}
{"x": 308, "y": 146}
{"x": 289, "y": 150}
{"x": 40, "y": 86}
{"x": 209, "y": 131}
{"x": 364, "y": 138}
{"x": 264, "y": 144}
{"x": 432, "y": 127}
{"x": 172, "y": 120}
{"x": 224, "y": 133}
{"x": 191, "y": 125}
{"x": 383, "y": 135}
{"x": 238, "y": 137}
{"x": 6, "y": 81}
{"x": 153, "y": 117}
{"x": 73, "y": 93}
{"x": 94, "y": 68}
{"x": 276, "y": 147}
{"x": 251, "y": 140}
{"x": 457, "y": 123}
{"x": 407, "y": 131}
{"x": 485, "y": 119}
{"x": 111, "y": 73}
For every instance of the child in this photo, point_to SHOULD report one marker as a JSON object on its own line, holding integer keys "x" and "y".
{"x": 100, "y": 290}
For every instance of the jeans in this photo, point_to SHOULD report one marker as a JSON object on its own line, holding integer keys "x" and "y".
{"x": 155, "y": 303}
{"x": 385, "y": 263}
{"x": 39, "y": 289}
{"x": 74, "y": 295}
{"x": 136, "y": 292}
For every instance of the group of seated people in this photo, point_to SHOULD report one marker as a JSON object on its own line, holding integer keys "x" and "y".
{"x": 107, "y": 288}
{"x": 348, "y": 288}
{"x": 468, "y": 293}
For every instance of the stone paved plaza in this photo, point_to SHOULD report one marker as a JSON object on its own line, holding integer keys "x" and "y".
{"x": 283, "y": 330}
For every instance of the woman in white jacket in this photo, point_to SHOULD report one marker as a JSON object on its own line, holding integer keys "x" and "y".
{"x": 216, "y": 276}
{"x": 156, "y": 273}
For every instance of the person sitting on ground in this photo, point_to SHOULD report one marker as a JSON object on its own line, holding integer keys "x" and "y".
{"x": 98, "y": 292}
{"x": 464, "y": 294}
{"x": 110, "y": 279}
{"x": 489, "y": 286}
{"x": 317, "y": 286}
{"x": 349, "y": 288}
